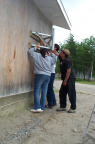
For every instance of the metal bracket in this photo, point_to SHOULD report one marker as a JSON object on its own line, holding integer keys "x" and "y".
{"x": 33, "y": 45}
{"x": 37, "y": 35}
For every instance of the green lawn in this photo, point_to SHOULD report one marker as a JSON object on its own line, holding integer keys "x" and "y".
{"x": 82, "y": 81}
{"x": 86, "y": 82}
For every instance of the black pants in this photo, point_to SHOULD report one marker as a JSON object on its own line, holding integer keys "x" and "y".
{"x": 70, "y": 90}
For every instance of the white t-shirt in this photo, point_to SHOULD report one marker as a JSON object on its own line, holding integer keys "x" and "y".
{"x": 53, "y": 67}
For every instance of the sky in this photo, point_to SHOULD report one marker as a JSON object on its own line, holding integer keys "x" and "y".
{"x": 81, "y": 14}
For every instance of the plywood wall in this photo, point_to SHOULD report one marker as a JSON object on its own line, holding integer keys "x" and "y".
{"x": 17, "y": 18}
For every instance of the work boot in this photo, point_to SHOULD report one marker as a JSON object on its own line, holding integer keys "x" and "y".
{"x": 61, "y": 109}
{"x": 71, "y": 111}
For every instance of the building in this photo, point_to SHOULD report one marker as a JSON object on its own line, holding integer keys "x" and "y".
{"x": 17, "y": 18}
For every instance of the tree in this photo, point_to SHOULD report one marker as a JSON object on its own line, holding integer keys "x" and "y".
{"x": 88, "y": 56}
{"x": 57, "y": 68}
{"x": 82, "y": 55}
{"x": 92, "y": 43}
{"x": 79, "y": 58}
{"x": 71, "y": 45}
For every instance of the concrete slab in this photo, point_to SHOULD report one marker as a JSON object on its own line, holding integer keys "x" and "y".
{"x": 15, "y": 103}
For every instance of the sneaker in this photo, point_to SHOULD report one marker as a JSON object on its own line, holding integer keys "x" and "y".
{"x": 71, "y": 111}
{"x": 36, "y": 110}
{"x": 61, "y": 109}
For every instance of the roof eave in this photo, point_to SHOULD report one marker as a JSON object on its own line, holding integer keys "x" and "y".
{"x": 64, "y": 13}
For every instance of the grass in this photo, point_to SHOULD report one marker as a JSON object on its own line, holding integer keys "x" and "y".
{"x": 56, "y": 90}
{"x": 82, "y": 93}
{"x": 58, "y": 78}
{"x": 82, "y": 81}
{"x": 85, "y": 81}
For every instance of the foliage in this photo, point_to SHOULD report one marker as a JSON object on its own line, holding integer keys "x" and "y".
{"x": 57, "y": 69}
{"x": 82, "y": 55}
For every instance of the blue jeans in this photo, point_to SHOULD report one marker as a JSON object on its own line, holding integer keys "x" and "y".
{"x": 50, "y": 93}
{"x": 41, "y": 84}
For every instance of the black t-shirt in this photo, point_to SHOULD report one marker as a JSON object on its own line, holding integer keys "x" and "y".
{"x": 64, "y": 65}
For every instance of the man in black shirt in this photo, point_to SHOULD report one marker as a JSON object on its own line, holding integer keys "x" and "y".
{"x": 68, "y": 82}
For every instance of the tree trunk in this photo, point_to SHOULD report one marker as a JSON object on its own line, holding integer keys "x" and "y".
{"x": 84, "y": 75}
{"x": 91, "y": 70}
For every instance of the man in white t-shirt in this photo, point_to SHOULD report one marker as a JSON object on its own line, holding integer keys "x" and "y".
{"x": 50, "y": 93}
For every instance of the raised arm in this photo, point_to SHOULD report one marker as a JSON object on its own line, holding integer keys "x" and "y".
{"x": 32, "y": 52}
{"x": 57, "y": 54}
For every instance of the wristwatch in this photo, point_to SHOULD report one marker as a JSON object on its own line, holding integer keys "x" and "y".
{"x": 65, "y": 80}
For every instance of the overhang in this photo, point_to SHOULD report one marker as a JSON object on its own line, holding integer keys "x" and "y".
{"x": 55, "y": 12}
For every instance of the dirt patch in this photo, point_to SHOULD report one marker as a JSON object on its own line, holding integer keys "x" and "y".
{"x": 50, "y": 126}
